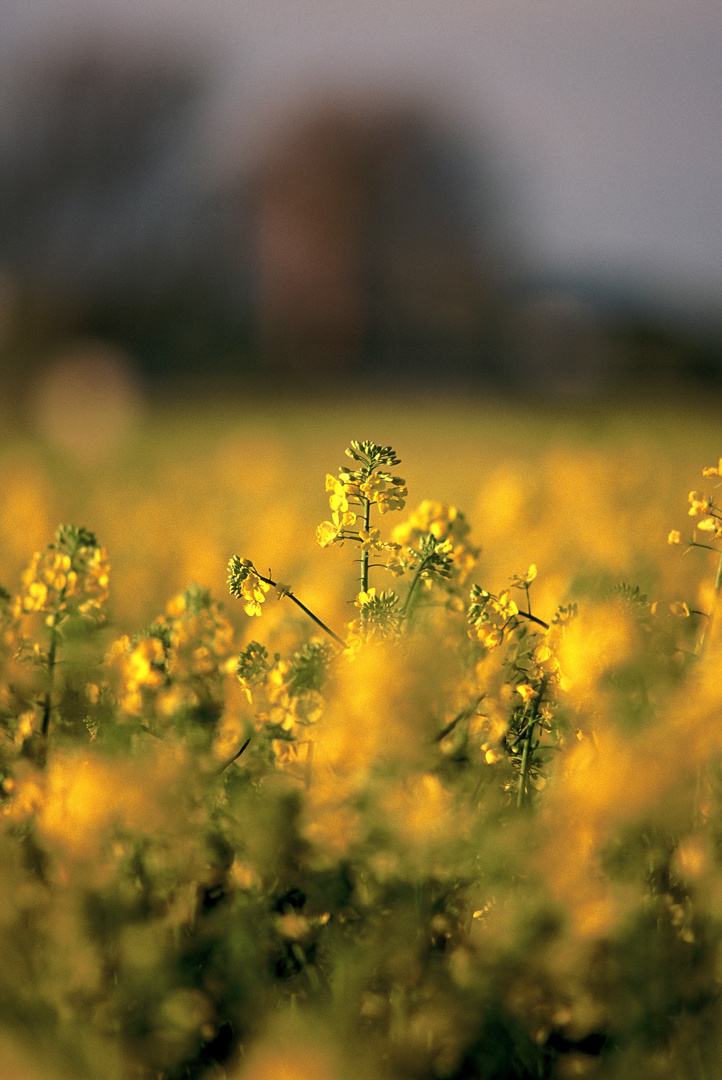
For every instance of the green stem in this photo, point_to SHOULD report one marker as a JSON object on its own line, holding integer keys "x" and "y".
{"x": 364, "y": 554}
{"x": 48, "y": 696}
{"x": 533, "y": 618}
{"x": 417, "y": 577}
{"x": 522, "y": 796}
{"x": 465, "y": 714}
{"x": 700, "y": 777}
{"x": 711, "y": 613}
{"x": 523, "y": 776}
{"x": 307, "y": 611}
{"x": 222, "y": 768}
{"x": 364, "y": 575}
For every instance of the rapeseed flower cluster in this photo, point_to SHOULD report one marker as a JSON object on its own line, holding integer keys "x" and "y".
{"x": 380, "y": 616}
{"x": 69, "y": 578}
{"x": 449, "y": 528}
{"x": 141, "y": 669}
{"x": 245, "y": 582}
{"x": 490, "y": 615}
{"x": 703, "y": 506}
{"x": 179, "y": 665}
{"x": 369, "y": 485}
{"x": 342, "y": 518}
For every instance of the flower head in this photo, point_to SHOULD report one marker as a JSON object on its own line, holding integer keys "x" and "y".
{"x": 523, "y": 581}
{"x": 245, "y": 583}
{"x": 526, "y": 692}
{"x": 713, "y": 470}
{"x": 699, "y": 504}
{"x": 69, "y": 578}
{"x": 448, "y": 527}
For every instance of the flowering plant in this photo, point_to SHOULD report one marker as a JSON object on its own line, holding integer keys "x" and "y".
{"x": 474, "y": 832}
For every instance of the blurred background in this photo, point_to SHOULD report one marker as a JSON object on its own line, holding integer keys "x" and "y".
{"x": 312, "y": 194}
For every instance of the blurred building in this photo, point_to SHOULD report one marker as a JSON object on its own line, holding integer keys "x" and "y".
{"x": 370, "y": 247}
{"x": 355, "y": 238}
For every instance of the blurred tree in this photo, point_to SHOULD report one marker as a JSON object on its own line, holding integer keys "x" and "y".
{"x": 369, "y": 236}
{"x": 106, "y": 222}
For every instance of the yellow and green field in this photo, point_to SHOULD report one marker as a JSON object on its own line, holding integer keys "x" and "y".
{"x": 477, "y": 836}
{"x": 577, "y": 490}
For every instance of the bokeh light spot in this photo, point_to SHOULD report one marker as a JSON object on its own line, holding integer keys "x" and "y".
{"x": 86, "y": 401}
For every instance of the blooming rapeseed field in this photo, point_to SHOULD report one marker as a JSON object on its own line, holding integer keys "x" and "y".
{"x": 407, "y": 768}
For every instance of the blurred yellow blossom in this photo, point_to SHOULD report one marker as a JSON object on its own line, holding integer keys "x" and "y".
{"x": 700, "y": 504}
{"x": 713, "y": 470}
{"x": 526, "y": 692}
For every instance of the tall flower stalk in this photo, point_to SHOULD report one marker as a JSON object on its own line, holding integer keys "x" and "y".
{"x": 69, "y": 580}
{"x": 704, "y": 507}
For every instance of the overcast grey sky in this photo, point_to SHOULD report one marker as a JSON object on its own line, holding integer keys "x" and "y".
{"x": 608, "y": 113}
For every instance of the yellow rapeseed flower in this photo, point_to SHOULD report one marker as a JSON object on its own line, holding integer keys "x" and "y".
{"x": 713, "y": 470}
{"x": 326, "y": 533}
{"x": 699, "y": 504}
{"x": 521, "y": 581}
{"x": 245, "y": 583}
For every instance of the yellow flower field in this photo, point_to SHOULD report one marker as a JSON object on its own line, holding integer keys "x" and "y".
{"x": 399, "y": 763}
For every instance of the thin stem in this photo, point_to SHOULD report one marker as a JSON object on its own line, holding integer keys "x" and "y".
{"x": 364, "y": 571}
{"x": 225, "y": 765}
{"x": 710, "y": 619}
{"x": 364, "y": 575}
{"x": 287, "y": 592}
{"x": 48, "y": 696}
{"x": 523, "y": 776}
{"x": 52, "y": 659}
{"x": 533, "y": 618}
{"x": 522, "y": 796}
{"x": 417, "y": 577}
{"x": 465, "y": 714}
